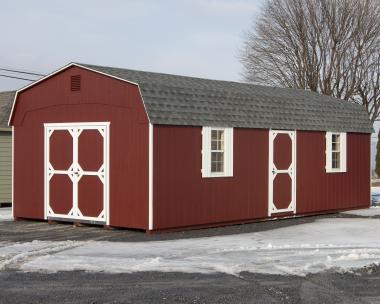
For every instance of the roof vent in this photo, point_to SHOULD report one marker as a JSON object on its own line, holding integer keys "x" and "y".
{"x": 75, "y": 83}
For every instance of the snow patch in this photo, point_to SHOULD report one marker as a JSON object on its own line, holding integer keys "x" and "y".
{"x": 6, "y": 214}
{"x": 341, "y": 244}
{"x": 14, "y": 254}
{"x": 375, "y": 192}
{"x": 368, "y": 212}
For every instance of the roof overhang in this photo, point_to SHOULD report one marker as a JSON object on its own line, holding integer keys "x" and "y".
{"x": 51, "y": 75}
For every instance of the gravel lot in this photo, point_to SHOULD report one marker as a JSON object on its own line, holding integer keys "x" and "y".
{"x": 148, "y": 287}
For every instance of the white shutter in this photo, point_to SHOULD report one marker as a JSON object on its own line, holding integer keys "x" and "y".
{"x": 229, "y": 151}
{"x": 343, "y": 152}
{"x": 206, "y": 151}
{"x": 328, "y": 152}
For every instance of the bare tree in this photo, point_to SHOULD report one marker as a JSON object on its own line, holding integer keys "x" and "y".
{"x": 327, "y": 46}
{"x": 368, "y": 92}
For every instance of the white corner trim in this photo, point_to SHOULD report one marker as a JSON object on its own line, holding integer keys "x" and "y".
{"x": 228, "y": 152}
{"x": 150, "y": 176}
{"x": 13, "y": 170}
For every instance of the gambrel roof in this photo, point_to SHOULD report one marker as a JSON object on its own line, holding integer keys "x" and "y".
{"x": 190, "y": 101}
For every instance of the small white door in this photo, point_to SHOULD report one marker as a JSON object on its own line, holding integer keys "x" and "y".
{"x": 282, "y": 173}
{"x": 76, "y": 172}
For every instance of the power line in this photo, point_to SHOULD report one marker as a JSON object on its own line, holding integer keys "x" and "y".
{"x": 2, "y": 75}
{"x": 18, "y": 71}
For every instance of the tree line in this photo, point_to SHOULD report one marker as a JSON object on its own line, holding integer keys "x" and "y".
{"x": 328, "y": 46}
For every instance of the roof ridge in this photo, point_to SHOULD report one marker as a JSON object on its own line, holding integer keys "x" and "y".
{"x": 195, "y": 78}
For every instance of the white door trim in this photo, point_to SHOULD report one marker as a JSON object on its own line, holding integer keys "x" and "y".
{"x": 75, "y": 172}
{"x": 273, "y": 171}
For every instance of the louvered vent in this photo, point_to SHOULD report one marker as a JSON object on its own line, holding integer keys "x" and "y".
{"x": 75, "y": 83}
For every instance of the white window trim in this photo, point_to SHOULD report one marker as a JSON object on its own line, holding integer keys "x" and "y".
{"x": 343, "y": 152}
{"x": 228, "y": 152}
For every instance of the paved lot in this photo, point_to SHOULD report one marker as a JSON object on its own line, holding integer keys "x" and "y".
{"x": 147, "y": 287}
{"x": 363, "y": 286}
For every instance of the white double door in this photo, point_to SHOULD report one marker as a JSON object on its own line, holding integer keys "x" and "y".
{"x": 76, "y": 172}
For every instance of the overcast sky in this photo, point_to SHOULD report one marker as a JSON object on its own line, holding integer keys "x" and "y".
{"x": 188, "y": 37}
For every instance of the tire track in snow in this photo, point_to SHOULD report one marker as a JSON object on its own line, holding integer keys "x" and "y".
{"x": 14, "y": 255}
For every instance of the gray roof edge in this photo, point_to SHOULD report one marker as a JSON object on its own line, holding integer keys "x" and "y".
{"x": 267, "y": 127}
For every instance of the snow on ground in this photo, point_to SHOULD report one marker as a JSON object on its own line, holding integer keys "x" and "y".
{"x": 375, "y": 191}
{"x": 368, "y": 212}
{"x": 6, "y": 214}
{"x": 335, "y": 243}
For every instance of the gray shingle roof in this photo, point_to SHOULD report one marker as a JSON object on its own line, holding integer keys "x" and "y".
{"x": 6, "y": 101}
{"x": 181, "y": 100}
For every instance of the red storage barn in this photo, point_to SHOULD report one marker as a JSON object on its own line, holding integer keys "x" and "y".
{"x": 153, "y": 151}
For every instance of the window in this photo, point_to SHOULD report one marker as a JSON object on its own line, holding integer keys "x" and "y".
{"x": 217, "y": 152}
{"x": 335, "y": 152}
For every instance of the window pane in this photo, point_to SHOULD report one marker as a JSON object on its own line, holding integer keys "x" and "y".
{"x": 335, "y": 141}
{"x": 221, "y": 135}
{"x": 214, "y": 135}
{"x": 213, "y": 167}
{"x": 214, "y": 145}
{"x": 335, "y": 160}
{"x": 217, "y": 156}
{"x": 219, "y": 167}
{"x": 221, "y": 142}
{"x": 217, "y": 162}
{"x": 217, "y": 140}
{"x": 335, "y": 146}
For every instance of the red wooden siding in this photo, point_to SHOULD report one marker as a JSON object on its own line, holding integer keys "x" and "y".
{"x": 183, "y": 198}
{"x": 100, "y": 98}
{"x": 320, "y": 191}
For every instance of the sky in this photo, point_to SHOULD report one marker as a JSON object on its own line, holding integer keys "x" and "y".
{"x": 187, "y": 37}
{"x": 198, "y": 38}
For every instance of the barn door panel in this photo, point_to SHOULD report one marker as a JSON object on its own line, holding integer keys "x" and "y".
{"x": 61, "y": 159}
{"x": 91, "y": 160}
{"x": 76, "y": 171}
{"x": 282, "y": 178}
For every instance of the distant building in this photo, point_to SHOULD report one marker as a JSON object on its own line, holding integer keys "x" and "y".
{"x": 6, "y": 101}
